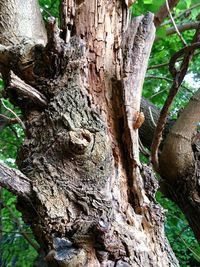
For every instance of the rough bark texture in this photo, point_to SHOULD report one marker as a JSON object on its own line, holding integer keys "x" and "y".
{"x": 92, "y": 202}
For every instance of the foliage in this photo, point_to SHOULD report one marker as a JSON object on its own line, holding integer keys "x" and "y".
{"x": 12, "y": 242}
{"x": 49, "y": 8}
{"x": 179, "y": 234}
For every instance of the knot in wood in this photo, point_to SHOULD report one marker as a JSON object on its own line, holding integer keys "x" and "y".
{"x": 79, "y": 141}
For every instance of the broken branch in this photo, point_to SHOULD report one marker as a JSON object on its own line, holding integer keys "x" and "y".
{"x": 15, "y": 181}
{"x": 25, "y": 90}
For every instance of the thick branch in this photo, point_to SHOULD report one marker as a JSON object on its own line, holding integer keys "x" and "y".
{"x": 178, "y": 161}
{"x": 136, "y": 45}
{"x": 178, "y": 75}
{"x": 67, "y": 13}
{"x": 15, "y": 181}
{"x": 138, "y": 41}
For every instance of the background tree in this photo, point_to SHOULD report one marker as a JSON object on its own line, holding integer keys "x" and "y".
{"x": 43, "y": 110}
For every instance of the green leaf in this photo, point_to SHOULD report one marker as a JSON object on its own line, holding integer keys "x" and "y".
{"x": 161, "y": 32}
{"x": 147, "y": 2}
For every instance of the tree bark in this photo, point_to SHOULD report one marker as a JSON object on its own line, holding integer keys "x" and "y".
{"x": 92, "y": 202}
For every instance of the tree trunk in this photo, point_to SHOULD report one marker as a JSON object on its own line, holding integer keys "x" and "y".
{"x": 91, "y": 202}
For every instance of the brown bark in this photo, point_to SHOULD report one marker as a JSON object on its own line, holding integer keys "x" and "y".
{"x": 92, "y": 201}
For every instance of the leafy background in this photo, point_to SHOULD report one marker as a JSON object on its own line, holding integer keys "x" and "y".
{"x": 15, "y": 250}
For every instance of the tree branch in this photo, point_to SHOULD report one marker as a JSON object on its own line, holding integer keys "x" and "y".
{"x": 67, "y": 13}
{"x": 181, "y": 28}
{"x": 163, "y": 12}
{"x": 165, "y": 79}
{"x": 180, "y": 158}
{"x": 181, "y": 14}
{"x": 166, "y": 63}
{"x": 25, "y": 91}
{"x": 174, "y": 23}
{"x": 15, "y": 181}
{"x": 178, "y": 76}
{"x": 16, "y": 116}
{"x": 138, "y": 40}
{"x": 20, "y": 228}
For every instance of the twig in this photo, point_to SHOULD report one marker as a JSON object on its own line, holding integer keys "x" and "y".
{"x": 180, "y": 233}
{"x": 152, "y": 119}
{"x": 9, "y": 120}
{"x": 158, "y": 66}
{"x": 187, "y": 51}
{"x": 173, "y": 21}
{"x": 181, "y": 14}
{"x": 20, "y": 228}
{"x": 191, "y": 250}
{"x": 15, "y": 134}
{"x": 158, "y": 77}
{"x": 13, "y": 232}
{"x": 16, "y": 116}
{"x": 163, "y": 12}
{"x": 165, "y": 79}
{"x": 166, "y": 63}
{"x": 178, "y": 76}
{"x": 143, "y": 150}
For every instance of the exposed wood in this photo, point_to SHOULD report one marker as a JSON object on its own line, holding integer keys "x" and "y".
{"x": 138, "y": 40}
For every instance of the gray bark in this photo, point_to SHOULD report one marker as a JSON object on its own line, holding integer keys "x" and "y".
{"x": 18, "y": 21}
